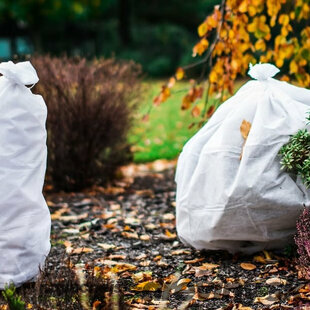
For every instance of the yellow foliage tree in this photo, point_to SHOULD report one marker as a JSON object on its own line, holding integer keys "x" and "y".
{"x": 240, "y": 32}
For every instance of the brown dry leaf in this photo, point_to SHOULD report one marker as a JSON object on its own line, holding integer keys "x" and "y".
{"x": 130, "y": 235}
{"x": 168, "y": 216}
{"x": 205, "y": 296}
{"x": 151, "y": 286}
{"x": 81, "y": 250}
{"x": 244, "y": 129}
{"x": 276, "y": 281}
{"x": 162, "y": 263}
{"x": 145, "y": 237}
{"x": 150, "y": 226}
{"x": 145, "y": 263}
{"x": 247, "y": 266}
{"x": 202, "y": 272}
{"x": 57, "y": 214}
{"x": 183, "y": 283}
{"x": 267, "y": 300}
{"x": 195, "y": 111}
{"x": 142, "y": 276}
{"x": 141, "y": 256}
{"x": 106, "y": 246}
{"x": 180, "y": 252}
{"x": 208, "y": 266}
{"x": 193, "y": 261}
{"x": 132, "y": 221}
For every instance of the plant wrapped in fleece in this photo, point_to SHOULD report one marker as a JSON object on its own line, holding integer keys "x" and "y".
{"x": 91, "y": 107}
{"x": 296, "y": 156}
{"x": 302, "y": 239}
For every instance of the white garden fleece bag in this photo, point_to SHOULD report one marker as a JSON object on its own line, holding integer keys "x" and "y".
{"x": 247, "y": 204}
{"x": 24, "y": 216}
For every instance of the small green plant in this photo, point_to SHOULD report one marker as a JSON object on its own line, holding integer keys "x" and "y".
{"x": 296, "y": 155}
{"x": 263, "y": 291}
{"x": 14, "y": 301}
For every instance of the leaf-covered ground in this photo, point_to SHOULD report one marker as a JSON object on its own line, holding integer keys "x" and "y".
{"x": 117, "y": 248}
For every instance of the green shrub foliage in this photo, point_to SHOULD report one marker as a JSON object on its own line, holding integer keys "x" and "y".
{"x": 14, "y": 301}
{"x": 90, "y": 111}
{"x": 296, "y": 155}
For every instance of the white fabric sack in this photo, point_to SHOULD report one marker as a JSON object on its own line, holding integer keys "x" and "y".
{"x": 250, "y": 204}
{"x": 24, "y": 216}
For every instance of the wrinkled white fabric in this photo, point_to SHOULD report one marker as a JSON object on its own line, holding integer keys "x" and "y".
{"x": 250, "y": 204}
{"x": 24, "y": 215}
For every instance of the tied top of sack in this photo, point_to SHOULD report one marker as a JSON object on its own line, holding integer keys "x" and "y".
{"x": 262, "y": 72}
{"x": 22, "y": 73}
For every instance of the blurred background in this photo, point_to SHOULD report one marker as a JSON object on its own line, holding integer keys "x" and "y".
{"x": 158, "y": 34}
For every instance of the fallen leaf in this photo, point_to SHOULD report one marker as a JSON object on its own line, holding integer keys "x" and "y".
{"x": 276, "y": 281}
{"x": 73, "y": 218}
{"x": 81, "y": 250}
{"x": 141, "y": 256}
{"x": 183, "y": 283}
{"x": 202, "y": 272}
{"x": 267, "y": 300}
{"x": 130, "y": 235}
{"x": 244, "y": 129}
{"x": 106, "y": 246}
{"x": 150, "y": 226}
{"x": 145, "y": 237}
{"x": 168, "y": 216}
{"x": 151, "y": 286}
{"x": 193, "y": 261}
{"x": 208, "y": 266}
{"x": 259, "y": 259}
{"x": 206, "y": 296}
{"x": 145, "y": 263}
{"x": 247, "y": 266}
{"x": 180, "y": 252}
{"x": 71, "y": 231}
{"x": 142, "y": 276}
{"x": 170, "y": 235}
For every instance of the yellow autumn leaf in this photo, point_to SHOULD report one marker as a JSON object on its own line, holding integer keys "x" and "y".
{"x": 284, "y": 19}
{"x": 245, "y": 129}
{"x": 202, "y": 29}
{"x": 179, "y": 74}
{"x": 247, "y": 266}
{"x": 260, "y": 45}
{"x": 151, "y": 286}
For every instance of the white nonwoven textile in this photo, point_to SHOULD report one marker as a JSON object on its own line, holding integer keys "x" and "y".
{"x": 24, "y": 216}
{"x": 250, "y": 204}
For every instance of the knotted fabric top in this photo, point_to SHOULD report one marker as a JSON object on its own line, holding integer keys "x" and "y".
{"x": 22, "y": 73}
{"x": 262, "y": 72}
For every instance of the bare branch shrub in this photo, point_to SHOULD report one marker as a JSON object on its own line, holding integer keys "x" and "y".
{"x": 90, "y": 111}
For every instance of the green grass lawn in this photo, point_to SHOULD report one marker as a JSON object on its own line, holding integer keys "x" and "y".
{"x": 166, "y": 131}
